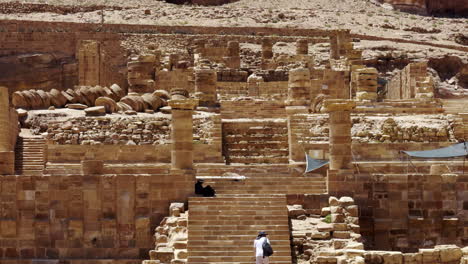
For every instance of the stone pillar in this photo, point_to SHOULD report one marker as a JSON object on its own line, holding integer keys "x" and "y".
{"x": 89, "y": 62}
{"x": 233, "y": 55}
{"x": 140, "y": 74}
{"x": 366, "y": 84}
{"x": 339, "y": 43}
{"x": 337, "y": 83}
{"x": 299, "y": 87}
{"x": 340, "y": 133}
{"x": 253, "y": 84}
{"x": 302, "y": 47}
{"x": 267, "y": 49}
{"x": 7, "y": 155}
{"x": 182, "y": 133}
{"x": 173, "y": 60}
{"x": 205, "y": 86}
{"x": 340, "y": 176}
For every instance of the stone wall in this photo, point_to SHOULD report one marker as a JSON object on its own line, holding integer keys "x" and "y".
{"x": 409, "y": 211}
{"x": 385, "y": 136}
{"x": 47, "y": 60}
{"x": 411, "y": 82}
{"x": 85, "y": 217}
{"x": 413, "y": 237}
{"x": 110, "y": 131}
{"x": 127, "y": 139}
{"x": 245, "y": 107}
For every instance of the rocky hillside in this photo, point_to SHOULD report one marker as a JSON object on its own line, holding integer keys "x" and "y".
{"x": 361, "y": 16}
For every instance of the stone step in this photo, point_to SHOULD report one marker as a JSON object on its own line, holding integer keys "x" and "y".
{"x": 262, "y": 152}
{"x": 31, "y": 167}
{"x": 236, "y": 223}
{"x": 244, "y": 253}
{"x": 249, "y": 215}
{"x": 239, "y": 245}
{"x": 29, "y": 160}
{"x": 245, "y": 262}
{"x": 203, "y": 227}
{"x": 224, "y": 259}
{"x": 31, "y": 172}
{"x": 229, "y": 202}
{"x": 236, "y": 233}
{"x": 263, "y": 144}
{"x": 240, "y": 198}
{"x": 270, "y": 139}
{"x": 222, "y": 229}
{"x": 257, "y": 160}
{"x": 201, "y": 208}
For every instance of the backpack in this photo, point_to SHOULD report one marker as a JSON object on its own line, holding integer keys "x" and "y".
{"x": 267, "y": 250}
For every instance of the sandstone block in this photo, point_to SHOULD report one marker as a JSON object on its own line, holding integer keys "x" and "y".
{"x": 108, "y": 103}
{"x": 320, "y": 235}
{"x": 352, "y": 210}
{"x": 95, "y": 111}
{"x": 76, "y": 106}
{"x": 179, "y": 206}
{"x": 342, "y": 234}
{"x": 325, "y": 211}
{"x": 333, "y": 201}
{"x": 181, "y": 254}
{"x": 346, "y": 201}
{"x": 8, "y": 228}
{"x": 449, "y": 253}
{"x": 340, "y": 227}
{"x": 164, "y": 255}
{"x": 337, "y": 218}
{"x": 324, "y": 227}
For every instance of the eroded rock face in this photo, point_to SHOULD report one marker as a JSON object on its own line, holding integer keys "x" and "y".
{"x": 431, "y": 7}
{"x": 201, "y": 2}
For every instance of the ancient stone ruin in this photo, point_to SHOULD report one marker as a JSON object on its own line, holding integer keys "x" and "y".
{"x": 104, "y": 133}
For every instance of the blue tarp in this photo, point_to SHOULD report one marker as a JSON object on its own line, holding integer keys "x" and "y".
{"x": 313, "y": 164}
{"x": 457, "y": 150}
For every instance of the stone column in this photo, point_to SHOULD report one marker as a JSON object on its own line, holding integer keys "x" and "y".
{"x": 173, "y": 60}
{"x": 302, "y": 47}
{"x": 89, "y": 62}
{"x": 140, "y": 74}
{"x": 366, "y": 84}
{"x": 340, "y": 133}
{"x": 299, "y": 87}
{"x": 336, "y": 83}
{"x": 267, "y": 49}
{"x": 182, "y": 133}
{"x": 7, "y": 155}
{"x": 205, "y": 86}
{"x": 339, "y": 43}
{"x": 340, "y": 176}
{"x": 233, "y": 57}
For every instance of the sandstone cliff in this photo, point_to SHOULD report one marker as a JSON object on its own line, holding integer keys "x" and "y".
{"x": 432, "y": 7}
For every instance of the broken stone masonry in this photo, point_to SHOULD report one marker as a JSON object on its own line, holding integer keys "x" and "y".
{"x": 98, "y": 161}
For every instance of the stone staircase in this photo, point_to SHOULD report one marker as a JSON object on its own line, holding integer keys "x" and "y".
{"x": 29, "y": 155}
{"x": 261, "y": 179}
{"x": 222, "y": 229}
{"x": 253, "y": 141}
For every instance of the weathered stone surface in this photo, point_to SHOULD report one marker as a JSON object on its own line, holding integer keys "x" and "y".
{"x": 95, "y": 111}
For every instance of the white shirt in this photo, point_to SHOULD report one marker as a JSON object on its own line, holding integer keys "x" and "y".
{"x": 258, "y": 245}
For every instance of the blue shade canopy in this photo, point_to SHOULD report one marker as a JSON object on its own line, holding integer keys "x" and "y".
{"x": 457, "y": 150}
{"x": 313, "y": 164}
